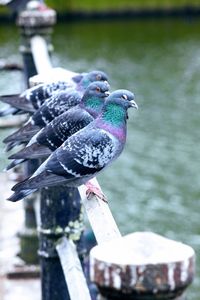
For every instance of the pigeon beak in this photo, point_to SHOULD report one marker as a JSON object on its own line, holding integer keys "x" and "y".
{"x": 133, "y": 104}
{"x": 106, "y": 82}
{"x": 107, "y": 93}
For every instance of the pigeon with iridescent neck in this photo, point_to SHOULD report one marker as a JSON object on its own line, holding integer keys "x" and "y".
{"x": 31, "y": 99}
{"x": 57, "y": 131}
{"x": 87, "y": 152}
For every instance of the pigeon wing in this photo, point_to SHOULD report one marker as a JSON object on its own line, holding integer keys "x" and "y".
{"x": 79, "y": 159}
{"x": 83, "y": 154}
{"x": 63, "y": 126}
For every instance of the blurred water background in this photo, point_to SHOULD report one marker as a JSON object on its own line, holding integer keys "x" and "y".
{"x": 154, "y": 186}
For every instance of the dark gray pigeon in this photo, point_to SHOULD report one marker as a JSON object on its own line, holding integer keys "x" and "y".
{"x": 87, "y": 152}
{"x": 31, "y": 99}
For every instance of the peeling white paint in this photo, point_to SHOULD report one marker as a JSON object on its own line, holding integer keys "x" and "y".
{"x": 63, "y": 202}
{"x": 48, "y": 202}
{"x": 171, "y": 280}
{"x": 133, "y": 275}
{"x": 116, "y": 279}
{"x": 106, "y": 276}
{"x": 67, "y": 229}
{"x": 92, "y": 269}
{"x": 184, "y": 270}
{"x": 101, "y": 266}
{"x": 44, "y": 254}
{"x": 141, "y": 270}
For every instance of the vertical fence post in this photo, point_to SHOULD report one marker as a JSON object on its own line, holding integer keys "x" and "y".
{"x": 61, "y": 214}
{"x": 32, "y": 21}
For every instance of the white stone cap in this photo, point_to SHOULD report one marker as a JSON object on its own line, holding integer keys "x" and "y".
{"x": 143, "y": 263}
{"x": 141, "y": 248}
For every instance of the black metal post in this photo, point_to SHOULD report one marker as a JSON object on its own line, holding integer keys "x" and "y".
{"x": 61, "y": 214}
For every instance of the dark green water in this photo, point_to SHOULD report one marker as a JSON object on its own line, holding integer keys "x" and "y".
{"x": 155, "y": 183}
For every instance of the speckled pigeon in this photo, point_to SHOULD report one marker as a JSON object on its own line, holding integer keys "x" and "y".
{"x": 87, "y": 152}
{"x": 31, "y": 99}
{"x": 51, "y": 108}
{"x": 57, "y": 131}
{"x": 58, "y": 103}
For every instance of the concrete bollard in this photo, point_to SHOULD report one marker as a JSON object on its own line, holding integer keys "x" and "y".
{"x": 142, "y": 266}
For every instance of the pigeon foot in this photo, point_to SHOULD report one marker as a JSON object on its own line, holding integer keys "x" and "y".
{"x": 94, "y": 190}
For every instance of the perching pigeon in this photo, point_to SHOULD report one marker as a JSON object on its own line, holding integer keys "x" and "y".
{"x": 87, "y": 152}
{"x": 57, "y": 131}
{"x": 31, "y": 99}
{"x": 58, "y": 103}
{"x": 51, "y": 108}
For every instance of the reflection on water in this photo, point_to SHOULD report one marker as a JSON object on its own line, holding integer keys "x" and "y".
{"x": 159, "y": 169}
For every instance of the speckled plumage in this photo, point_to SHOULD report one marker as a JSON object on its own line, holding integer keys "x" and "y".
{"x": 56, "y": 132}
{"x": 83, "y": 155}
{"x": 31, "y": 99}
{"x": 58, "y": 103}
{"x": 51, "y": 108}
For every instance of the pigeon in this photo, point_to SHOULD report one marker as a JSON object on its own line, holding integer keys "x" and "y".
{"x": 57, "y": 131}
{"x": 31, "y": 99}
{"x": 51, "y": 108}
{"x": 86, "y": 153}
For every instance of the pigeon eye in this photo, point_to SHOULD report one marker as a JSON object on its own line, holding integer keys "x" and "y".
{"x": 124, "y": 97}
{"x": 98, "y": 89}
{"x": 98, "y": 77}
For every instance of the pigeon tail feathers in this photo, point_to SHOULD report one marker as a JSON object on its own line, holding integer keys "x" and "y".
{"x": 44, "y": 179}
{"x": 31, "y": 152}
{"x": 23, "y": 134}
{"x": 9, "y": 98}
{"x": 18, "y": 102}
{"x": 20, "y": 195}
{"x": 14, "y": 163}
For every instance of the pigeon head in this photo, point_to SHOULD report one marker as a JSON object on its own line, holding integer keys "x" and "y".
{"x": 91, "y": 77}
{"x": 114, "y": 112}
{"x": 126, "y": 96}
{"x": 94, "y": 97}
{"x": 117, "y": 104}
